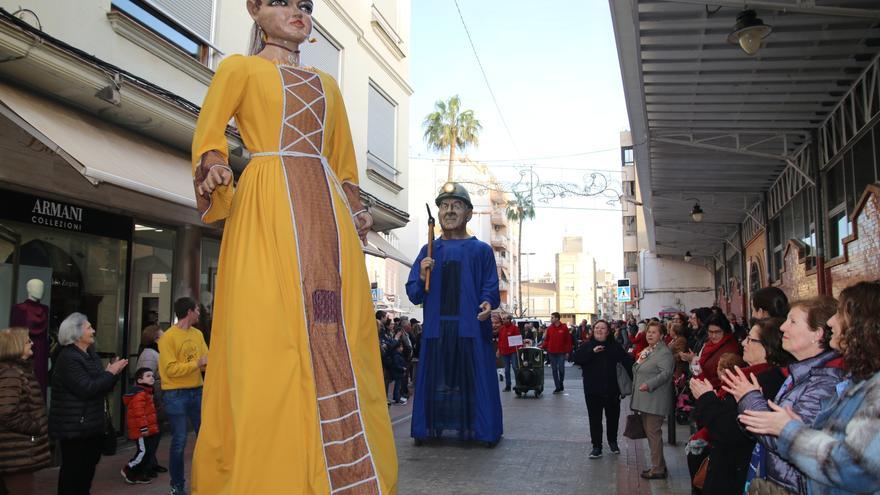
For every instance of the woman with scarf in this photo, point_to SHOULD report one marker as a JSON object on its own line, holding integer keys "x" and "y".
{"x": 811, "y": 380}
{"x": 717, "y": 412}
{"x": 720, "y": 341}
{"x": 652, "y": 394}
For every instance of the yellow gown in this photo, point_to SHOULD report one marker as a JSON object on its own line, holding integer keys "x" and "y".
{"x": 294, "y": 398}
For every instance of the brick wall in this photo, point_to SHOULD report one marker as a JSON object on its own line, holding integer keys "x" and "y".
{"x": 795, "y": 280}
{"x": 861, "y": 249}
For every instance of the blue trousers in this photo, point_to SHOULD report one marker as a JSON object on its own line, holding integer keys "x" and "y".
{"x": 557, "y": 364}
{"x": 180, "y": 405}
{"x": 510, "y": 361}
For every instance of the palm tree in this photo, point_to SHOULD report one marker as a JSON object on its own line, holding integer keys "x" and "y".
{"x": 518, "y": 209}
{"x": 449, "y": 127}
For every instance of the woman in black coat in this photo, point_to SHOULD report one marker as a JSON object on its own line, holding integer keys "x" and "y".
{"x": 731, "y": 445}
{"x": 598, "y": 359}
{"x": 76, "y": 417}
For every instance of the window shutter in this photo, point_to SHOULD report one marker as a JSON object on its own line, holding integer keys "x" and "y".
{"x": 323, "y": 54}
{"x": 196, "y": 16}
{"x": 380, "y": 133}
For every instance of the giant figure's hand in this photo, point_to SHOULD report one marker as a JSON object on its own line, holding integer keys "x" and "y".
{"x": 216, "y": 177}
{"x": 426, "y": 266}
{"x": 485, "y": 311}
{"x": 363, "y": 221}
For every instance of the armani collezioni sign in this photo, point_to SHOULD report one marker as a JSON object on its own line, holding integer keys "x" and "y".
{"x": 55, "y": 214}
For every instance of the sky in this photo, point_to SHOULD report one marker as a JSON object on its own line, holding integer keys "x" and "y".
{"x": 554, "y": 71}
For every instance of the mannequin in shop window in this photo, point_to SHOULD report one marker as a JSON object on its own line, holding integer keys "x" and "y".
{"x": 34, "y": 316}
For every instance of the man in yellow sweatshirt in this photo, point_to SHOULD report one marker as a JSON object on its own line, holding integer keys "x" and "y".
{"x": 183, "y": 357}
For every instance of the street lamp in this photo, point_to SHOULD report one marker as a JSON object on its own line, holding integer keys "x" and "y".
{"x": 696, "y": 211}
{"x": 749, "y": 32}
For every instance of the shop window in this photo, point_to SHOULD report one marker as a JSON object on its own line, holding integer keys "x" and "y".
{"x": 80, "y": 272}
{"x": 754, "y": 278}
{"x": 838, "y": 229}
{"x": 863, "y": 166}
{"x": 151, "y": 282}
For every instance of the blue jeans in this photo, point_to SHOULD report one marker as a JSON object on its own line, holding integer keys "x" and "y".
{"x": 557, "y": 364}
{"x": 181, "y": 404}
{"x": 509, "y": 361}
{"x": 398, "y": 387}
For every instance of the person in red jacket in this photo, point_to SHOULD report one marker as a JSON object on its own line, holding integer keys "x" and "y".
{"x": 506, "y": 351}
{"x": 143, "y": 428}
{"x": 557, "y": 343}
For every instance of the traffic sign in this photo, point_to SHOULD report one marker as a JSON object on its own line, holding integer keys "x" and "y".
{"x": 624, "y": 294}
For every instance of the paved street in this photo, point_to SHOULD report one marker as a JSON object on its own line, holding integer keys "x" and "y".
{"x": 544, "y": 451}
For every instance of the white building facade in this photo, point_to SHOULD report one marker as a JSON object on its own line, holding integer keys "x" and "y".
{"x": 98, "y": 104}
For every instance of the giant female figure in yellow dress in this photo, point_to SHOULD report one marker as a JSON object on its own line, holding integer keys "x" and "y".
{"x": 293, "y": 398}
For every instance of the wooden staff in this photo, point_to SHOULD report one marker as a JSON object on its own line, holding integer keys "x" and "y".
{"x": 430, "y": 247}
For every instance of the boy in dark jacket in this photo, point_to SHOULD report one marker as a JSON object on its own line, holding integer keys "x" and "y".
{"x": 143, "y": 428}
{"x": 398, "y": 372}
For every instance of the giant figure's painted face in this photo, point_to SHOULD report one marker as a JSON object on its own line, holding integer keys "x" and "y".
{"x": 454, "y": 214}
{"x": 287, "y": 20}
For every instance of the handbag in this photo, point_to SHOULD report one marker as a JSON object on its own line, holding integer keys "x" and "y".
{"x": 624, "y": 382}
{"x": 634, "y": 428}
{"x": 700, "y": 478}
{"x": 108, "y": 438}
{"x": 761, "y": 486}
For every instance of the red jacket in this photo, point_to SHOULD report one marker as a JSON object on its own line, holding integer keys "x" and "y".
{"x": 504, "y": 332}
{"x": 557, "y": 339}
{"x": 140, "y": 415}
{"x": 640, "y": 342}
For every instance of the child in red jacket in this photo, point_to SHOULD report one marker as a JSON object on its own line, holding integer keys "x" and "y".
{"x": 143, "y": 427}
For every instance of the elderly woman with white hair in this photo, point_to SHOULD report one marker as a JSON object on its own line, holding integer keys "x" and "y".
{"x": 76, "y": 415}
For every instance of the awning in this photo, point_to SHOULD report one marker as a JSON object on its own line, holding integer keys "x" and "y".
{"x": 100, "y": 151}
{"x": 377, "y": 246}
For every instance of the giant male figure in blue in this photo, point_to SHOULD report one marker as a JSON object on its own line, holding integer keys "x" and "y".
{"x": 456, "y": 383}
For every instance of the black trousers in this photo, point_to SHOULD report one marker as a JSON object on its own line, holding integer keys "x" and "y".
{"x": 79, "y": 457}
{"x": 609, "y": 404}
{"x": 144, "y": 458}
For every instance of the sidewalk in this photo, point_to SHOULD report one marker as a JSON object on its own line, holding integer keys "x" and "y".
{"x": 543, "y": 451}
{"x": 108, "y": 481}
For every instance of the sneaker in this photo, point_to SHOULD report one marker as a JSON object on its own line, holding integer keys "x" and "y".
{"x": 160, "y": 469}
{"x": 403, "y": 400}
{"x": 595, "y": 453}
{"x": 153, "y": 473}
{"x": 652, "y": 475}
{"x": 178, "y": 490}
{"x": 507, "y": 389}
{"x": 133, "y": 478}
{"x": 557, "y": 391}
{"x": 614, "y": 448}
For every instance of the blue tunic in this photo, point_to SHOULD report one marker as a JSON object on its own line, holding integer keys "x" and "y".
{"x": 456, "y": 383}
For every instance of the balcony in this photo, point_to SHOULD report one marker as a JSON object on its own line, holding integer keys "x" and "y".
{"x": 630, "y": 243}
{"x": 500, "y": 241}
{"x": 499, "y": 218}
{"x": 502, "y": 261}
{"x": 502, "y": 285}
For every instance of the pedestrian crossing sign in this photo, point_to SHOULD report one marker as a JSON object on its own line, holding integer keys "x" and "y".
{"x": 624, "y": 294}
